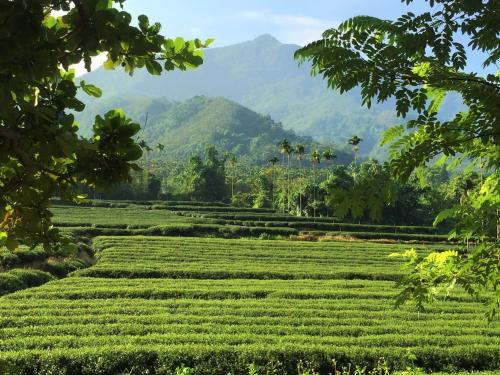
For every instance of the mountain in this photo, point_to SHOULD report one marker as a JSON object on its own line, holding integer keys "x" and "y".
{"x": 262, "y": 75}
{"x": 187, "y": 127}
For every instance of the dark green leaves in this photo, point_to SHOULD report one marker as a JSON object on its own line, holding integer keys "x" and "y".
{"x": 90, "y": 90}
{"x": 143, "y": 22}
{"x": 42, "y": 154}
{"x": 153, "y": 67}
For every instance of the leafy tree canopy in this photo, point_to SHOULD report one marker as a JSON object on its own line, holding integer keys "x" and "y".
{"x": 203, "y": 180}
{"x": 418, "y": 59}
{"x": 42, "y": 154}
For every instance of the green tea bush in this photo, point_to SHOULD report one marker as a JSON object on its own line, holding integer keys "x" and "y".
{"x": 27, "y": 256}
{"x": 10, "y": 283}
{"x": 8, "y": 259}
{"x": 32, "y": 277}
{"x": 63, "y": 268}
{"x": 221, "y": 209}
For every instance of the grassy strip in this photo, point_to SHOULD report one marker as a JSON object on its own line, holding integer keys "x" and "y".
{"x": 382, "y": 236}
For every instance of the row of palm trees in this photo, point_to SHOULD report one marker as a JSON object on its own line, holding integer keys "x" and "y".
{"x": 287, "y": 149}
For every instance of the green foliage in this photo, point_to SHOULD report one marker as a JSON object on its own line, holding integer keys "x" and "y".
{"x": 42, "y": 153}
{"x": 19, "y": 279}
{"x": 203, "y": 180}
{"x": 417, "y": 61}
{"x": 241, "y": 259}
{"x": 360, "y": 193}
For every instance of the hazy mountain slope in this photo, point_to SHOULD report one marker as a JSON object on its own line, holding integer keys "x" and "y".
{"x": 263, "y": 76}
{"x": 187, "y": 127}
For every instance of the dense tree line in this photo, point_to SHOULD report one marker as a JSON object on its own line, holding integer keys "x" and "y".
{"x": 356, "y": 192}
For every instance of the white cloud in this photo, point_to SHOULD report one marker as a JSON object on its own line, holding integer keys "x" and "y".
{"x": 281, "y": 19}
{"x": 294, "y": 29}
{"x": 251, "y": 14}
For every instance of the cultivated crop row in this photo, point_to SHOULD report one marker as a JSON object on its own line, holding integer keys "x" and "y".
{"x": 138, "y": 257}
{"x": 153, "y": 323}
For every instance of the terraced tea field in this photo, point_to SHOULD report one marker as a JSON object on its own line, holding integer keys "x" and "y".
{"x": 157, "y": 304}
{"x": 195, "y": 219}
{"x": 114, "y": 217}
{"x": 215, "y": 259}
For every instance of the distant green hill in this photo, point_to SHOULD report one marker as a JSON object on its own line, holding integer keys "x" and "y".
{"x": 262, "y": 75}
{"x": 186, "y": 128}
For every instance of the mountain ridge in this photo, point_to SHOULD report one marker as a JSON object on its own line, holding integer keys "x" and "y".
{"x": 186, "y": 127}
{"x": 262, "y": 75}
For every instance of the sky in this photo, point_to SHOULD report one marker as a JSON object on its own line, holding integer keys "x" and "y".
{"x": 234, "y": 21}
{"x": 290, "y": 21}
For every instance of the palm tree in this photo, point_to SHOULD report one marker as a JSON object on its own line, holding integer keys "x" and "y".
{"x": 328, "y": 155}
{"x": 354, "y": 142}
{"x": 273, "y": 162}
{"x": 299, "y": 151}
{"x": 286, "y": 148}
{"x": 315, "y": 160}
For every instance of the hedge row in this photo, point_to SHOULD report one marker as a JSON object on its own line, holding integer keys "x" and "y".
{"x": 20, "y": 257}
{"x": 188, "y": 230}
{"x": 138, "y": 273}
{"x": 216, "y": 258}
{"x": 18, "y": 279}
{"x": 383, "y": 236}
{"x": 224, "y": 359}
{"x": 98, "y": 203}
{"x": 106, "y": 226}
{"x": 223, "y": 209}
{"x": 302, "y": 223}
{"x": 337, "y": 227}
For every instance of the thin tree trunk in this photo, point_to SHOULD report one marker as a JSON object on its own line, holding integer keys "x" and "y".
{"x": 300, "y": 190}
{"x": 288, "y": 184}
{"x": 314, "y": 191}
{"x": 273, "y": 174}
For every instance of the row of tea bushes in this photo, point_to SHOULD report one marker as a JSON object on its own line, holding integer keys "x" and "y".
{"x": 302, "y": 223}
{"x": 214, "y": 258}
{"x": 85, "y": 325}
{"x": 18, "y": 279}
{"x": 218, "y": 209}
{"x": 228, "y": 231}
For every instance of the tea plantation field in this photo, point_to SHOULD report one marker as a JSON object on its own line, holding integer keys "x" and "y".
{"x": 179, "y": 305}
{"x": 205, "y": 288}
{"x": 193, "y": 219}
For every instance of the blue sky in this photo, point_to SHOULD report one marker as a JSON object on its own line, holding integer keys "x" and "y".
{"x": 290, "y": 21}
{"x": 233, "y": 21}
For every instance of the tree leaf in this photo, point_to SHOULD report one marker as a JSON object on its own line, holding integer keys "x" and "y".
{"x": 90, "y": 90}
{"x": 153, "y": 67}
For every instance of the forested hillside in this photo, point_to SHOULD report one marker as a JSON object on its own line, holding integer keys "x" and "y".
{"x": 186, "y": 128}
{"x": 263, "y": 76}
